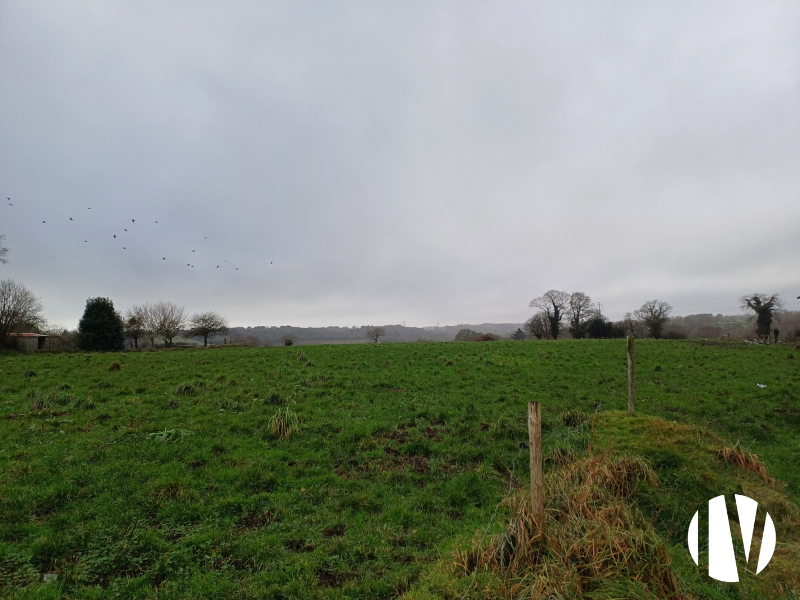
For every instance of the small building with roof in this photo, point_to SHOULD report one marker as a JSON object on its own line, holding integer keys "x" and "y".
{"x": 29, "y": 342}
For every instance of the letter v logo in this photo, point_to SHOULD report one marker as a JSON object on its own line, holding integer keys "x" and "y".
{"x": 721, "y": 559}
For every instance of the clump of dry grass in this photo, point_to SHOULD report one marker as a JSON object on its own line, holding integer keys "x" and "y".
{"x": 594, "y": 536}
{"x": 114, "y": 366}
{"x": 283, "y": 423}
{"x": 746, "y": 460}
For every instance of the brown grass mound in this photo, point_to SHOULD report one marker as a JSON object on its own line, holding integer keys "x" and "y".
{"x": 594, "y": 539}
{"x": 746, "y": 460}
{"x": 115, "y": 366}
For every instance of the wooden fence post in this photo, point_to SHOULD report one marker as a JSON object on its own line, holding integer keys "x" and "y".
{"x": 535, "y": 439}
{"x": 631, "y": 366}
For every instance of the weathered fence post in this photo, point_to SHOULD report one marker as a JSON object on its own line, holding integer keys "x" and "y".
{"x": 535, "y": 439}
{"x": 631, "y": 366}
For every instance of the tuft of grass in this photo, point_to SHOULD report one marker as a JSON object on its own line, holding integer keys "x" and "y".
{"x": 29, "y": 373}
{"x": 274, "y": 397}
{"x": 186, "y": 389}
{"x": 746, "y": 460}
{"x": 114, "y": 366}
{"x": 283, "y": 423}
{"x": 573, "y": 418}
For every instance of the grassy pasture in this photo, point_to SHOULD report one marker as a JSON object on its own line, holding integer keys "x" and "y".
{"x": 172, "y": 476}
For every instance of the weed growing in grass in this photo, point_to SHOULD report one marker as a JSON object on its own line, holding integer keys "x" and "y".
{"x": 283, "y": 423}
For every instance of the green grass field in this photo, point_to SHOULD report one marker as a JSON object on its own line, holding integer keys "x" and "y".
{"x": 168, "y": 478}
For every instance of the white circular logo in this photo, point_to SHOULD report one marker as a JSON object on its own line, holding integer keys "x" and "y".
{"x": 721, "y": 560}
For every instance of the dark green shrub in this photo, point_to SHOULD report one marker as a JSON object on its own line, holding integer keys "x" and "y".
{"x": 100, "y": 328}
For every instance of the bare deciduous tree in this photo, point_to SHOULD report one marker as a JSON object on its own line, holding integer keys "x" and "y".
{"x": 135, "y": 324}
{"x": 655, "y": 315}
{"x": 538, "y": 326}
{"x": 150, "y": 323}
{"x": 581, "y": 312}
{"x": 375, "y": 333}
{"x": 169, "y": 319}
{"x": 764, "y": 307}
{"x": 3, "y": 251}
{"x": 18, "y": 307}
{"x": 553, "y": 303}
{"x": 206, "y": 324}
{"x": 465, "y": 335}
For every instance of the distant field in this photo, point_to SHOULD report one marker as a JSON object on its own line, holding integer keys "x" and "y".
{"x": 163, "y": 478}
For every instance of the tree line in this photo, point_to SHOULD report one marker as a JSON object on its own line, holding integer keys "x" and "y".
{"x": 102, "y": 328}
{"x": 584, "y": 319}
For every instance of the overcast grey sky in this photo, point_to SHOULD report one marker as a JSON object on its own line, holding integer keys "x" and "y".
{"x": 380, "y": 162}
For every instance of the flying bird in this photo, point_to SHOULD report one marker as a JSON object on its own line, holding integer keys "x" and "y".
{"x": 85, "y": 241}
{"x": 133, "y": 220}
{"x": 218, "y": 266}
{"x": 126, "y": 230}
{"x": 124, "y": 248}
{"x": 43, "y": 221}
{"x": 192, "y": 250}
{"x": 156, "y": 221}
{"x": 115, "y": 237}
{"x": 164, "y": 258}
{"x": 70, "y": 218}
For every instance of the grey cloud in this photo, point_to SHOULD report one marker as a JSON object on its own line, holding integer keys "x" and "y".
{"x": 418, "y": 161}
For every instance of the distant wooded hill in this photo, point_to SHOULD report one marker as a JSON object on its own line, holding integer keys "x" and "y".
{"x": 692, "y": 326}
{"x": 343, "y": 335}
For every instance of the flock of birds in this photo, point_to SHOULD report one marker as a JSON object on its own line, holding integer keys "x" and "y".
{"x": 125, "y": 230}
